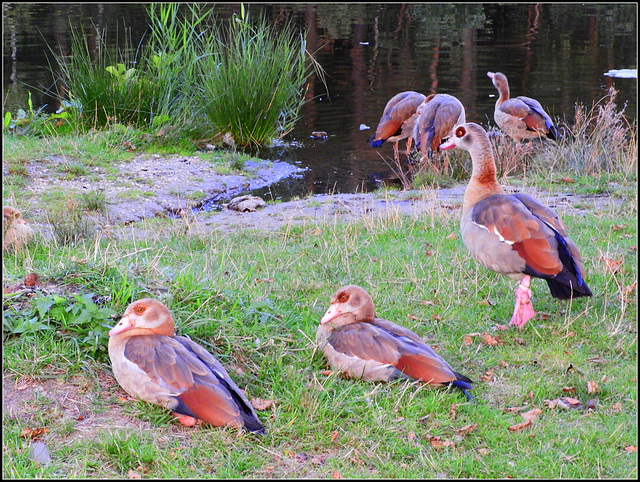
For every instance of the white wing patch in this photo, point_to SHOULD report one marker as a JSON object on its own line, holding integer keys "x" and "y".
{"x": 495, "y": 231}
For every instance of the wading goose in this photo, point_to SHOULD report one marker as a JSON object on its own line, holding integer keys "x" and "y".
{"x": 436, "y": 118}
{"x": 397, "y": 121}
{"x": 513, "y": 234}
{"x": 520, "y": 117}
{"x": 364, "y": 346}
{"x": 152, "y": 364}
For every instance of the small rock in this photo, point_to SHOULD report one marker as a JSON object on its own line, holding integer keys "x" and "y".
{"x": 319, "y": 135}
{"x": 246, "y": 203}
{"x": 40, "y": 453}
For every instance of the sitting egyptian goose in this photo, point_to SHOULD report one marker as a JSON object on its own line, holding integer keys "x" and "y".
{"x": 15, "y": 229}
{"x": 364, "y": 346}
{"x": 154, "y": 365}
{"x": 513, "y": 234}
{"x": 437, "y": 116}
{"x": 397, "y": 121}
{"x": 520, "y": 117}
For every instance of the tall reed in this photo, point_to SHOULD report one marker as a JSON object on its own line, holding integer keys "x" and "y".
{"x": 253, "y": 84}
{"x": 171, "y": 55}
{"x": 106, "y": 86}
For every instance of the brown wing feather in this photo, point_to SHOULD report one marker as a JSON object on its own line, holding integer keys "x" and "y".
{"x": 534, "y": 241}
{"x": 399, "y": 109}
{"x": 400, "y": 347}
{"x": 203, "y": 385}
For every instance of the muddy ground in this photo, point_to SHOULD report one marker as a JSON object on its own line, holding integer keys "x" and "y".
{"x": 153, "y": 186}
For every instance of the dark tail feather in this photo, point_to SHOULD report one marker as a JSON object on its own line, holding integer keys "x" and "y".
{"x": 553, "y": 134}
{"x": 463, "y": 384}
{"x": 253, "y": 425}
{"x": 569, "y": 282}
{"x": 374, "y": 143}
{"x": 563, "y": 290}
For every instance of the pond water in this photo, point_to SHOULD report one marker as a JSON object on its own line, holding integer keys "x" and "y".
{"x": 559, "y": 54}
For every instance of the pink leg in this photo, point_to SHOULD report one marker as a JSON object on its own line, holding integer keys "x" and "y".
{"x": 523, "y": 309}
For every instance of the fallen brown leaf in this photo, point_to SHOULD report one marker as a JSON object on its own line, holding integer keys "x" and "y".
{"x": 569, "y": 390}
{"x": 334, "y": 435}
{"x": 467, "y": 429}
{"x": 513, "y": 409}
{"x": 439, "y": 444}
{"x": 467, "y": 340}
{"x": 31, "y": 279}
{"x": 261, "y": 403}
{"x": 627, "y": 290}
{"x": 520, "y": 426}
{"x": 133, "y": 475}
{"x": 452, "y": 412}
{"x": 452, "y": 236}
{"x": 598, "y": 359}
{"x": 631, "y": 449}
{"x": 616, "y": 407}
{"x": 531, "y": 414}
{"x": 264, "y": 280}
{"x": 611, "y": 265}
{"x": 33, "y": 433}
{"x": 592, "y": 387}
{"x": 488, "y": 376}
{"x": 336, "y": 475}
{"x": 490, "y": 340}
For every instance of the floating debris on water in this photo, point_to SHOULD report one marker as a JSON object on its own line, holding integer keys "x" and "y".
{"x": 623, "y": 73}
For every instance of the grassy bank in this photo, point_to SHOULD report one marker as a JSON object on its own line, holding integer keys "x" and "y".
{"x": 555, "y": 400}
{"x": 255, "y": 298}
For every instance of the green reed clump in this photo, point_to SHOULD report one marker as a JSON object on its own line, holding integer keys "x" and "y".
{"x": 106, "y": 86}
{"x": 254, "y": 84}
{"x": 171, "y": 57}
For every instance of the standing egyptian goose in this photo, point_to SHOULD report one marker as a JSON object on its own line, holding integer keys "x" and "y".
{"x": 397, "y": 121}
{"x": 520, "y": 117}
{"x": 513, "y": 234}
{"x": 364, "y": 346}
{"x": 437, "y": 116}
{"x": 154, "y": 365}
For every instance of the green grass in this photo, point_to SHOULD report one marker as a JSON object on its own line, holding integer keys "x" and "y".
{"x": 255, "y": 298}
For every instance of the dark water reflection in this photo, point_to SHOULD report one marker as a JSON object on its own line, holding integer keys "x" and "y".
{"x": 557, "y": 53}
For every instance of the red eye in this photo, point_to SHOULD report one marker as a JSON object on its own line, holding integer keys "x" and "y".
{"x": 343, "y": 297}
{"x": 139, "y": 309}
{"x": 460, "y": 131}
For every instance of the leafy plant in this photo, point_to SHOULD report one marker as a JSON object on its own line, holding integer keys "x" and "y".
{"x": 78, "y": 316}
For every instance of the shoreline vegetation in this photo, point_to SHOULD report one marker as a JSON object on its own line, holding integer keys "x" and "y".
{"x": 558, "y": 398}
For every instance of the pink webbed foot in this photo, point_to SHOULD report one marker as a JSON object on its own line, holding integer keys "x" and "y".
{"x": 185, "y": 420}
{"x": 523, "y": 309}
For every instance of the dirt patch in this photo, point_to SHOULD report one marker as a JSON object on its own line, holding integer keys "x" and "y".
{"x": 153, "y": 186}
